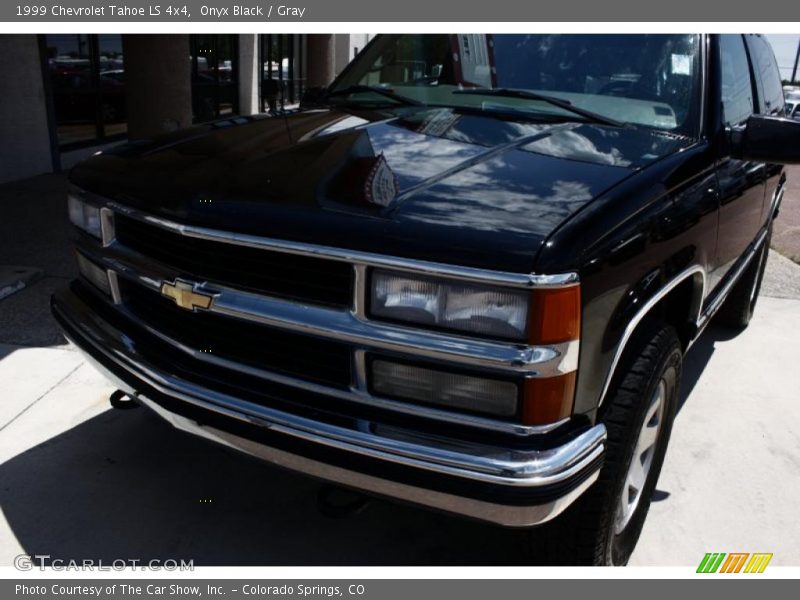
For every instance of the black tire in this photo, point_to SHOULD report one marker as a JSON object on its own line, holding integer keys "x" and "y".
{"x": 740, "y": 304}
{"x": 586, "y": 534}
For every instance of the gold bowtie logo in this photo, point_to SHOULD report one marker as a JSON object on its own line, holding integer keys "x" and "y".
{"x": 184, "y": 294}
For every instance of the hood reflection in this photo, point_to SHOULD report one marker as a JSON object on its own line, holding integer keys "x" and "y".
{"x": 422, "y": 178}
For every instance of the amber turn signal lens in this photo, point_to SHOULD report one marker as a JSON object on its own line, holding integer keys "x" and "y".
{"x": 548, "y": 399}
{"x": 555, "y": 315}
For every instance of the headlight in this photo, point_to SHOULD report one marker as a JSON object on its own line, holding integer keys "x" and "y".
{"x": 444, "y": 389}
{"x": 93, "y": 273}
{"x": 470, "y": 308}
{"x": 84, "y": 216}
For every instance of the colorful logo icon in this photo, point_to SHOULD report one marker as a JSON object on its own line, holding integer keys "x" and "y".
{"x": 734, "y": 562}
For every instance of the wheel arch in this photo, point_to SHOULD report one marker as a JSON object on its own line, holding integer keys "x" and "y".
{"x": 678, "y": 303}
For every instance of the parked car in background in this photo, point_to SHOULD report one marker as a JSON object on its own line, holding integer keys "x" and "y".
{"x": 792, "y": 104}
{"x": 463, "y": 276}
{"x": 792, "y": 97}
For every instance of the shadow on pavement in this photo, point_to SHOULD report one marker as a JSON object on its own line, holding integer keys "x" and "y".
{"x": 124, "y": 485}
{"x": 35, "y": 232}
{"x": 697, "y": 358}
{"x": 5, "y": 350}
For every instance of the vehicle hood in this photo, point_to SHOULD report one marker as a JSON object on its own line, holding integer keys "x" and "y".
{"x": 431, "y": 183}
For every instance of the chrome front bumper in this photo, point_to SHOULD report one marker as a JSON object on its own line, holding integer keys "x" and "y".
{"x": 515, "y": 487}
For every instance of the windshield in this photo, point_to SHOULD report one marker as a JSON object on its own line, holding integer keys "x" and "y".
{"x": 645, "y": 80}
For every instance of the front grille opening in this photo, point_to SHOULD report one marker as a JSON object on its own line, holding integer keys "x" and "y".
{"x": 300, "y": 278}
{"x": 313, "y": 359}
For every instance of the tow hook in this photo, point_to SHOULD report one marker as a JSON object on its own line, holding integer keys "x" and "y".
{"x": 337, "y": 503}
{"x": 122, "y": 400}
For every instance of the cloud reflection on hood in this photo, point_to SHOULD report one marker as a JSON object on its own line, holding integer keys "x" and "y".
{"x": 575, "y": 145}
{"x": 485, "y": 198}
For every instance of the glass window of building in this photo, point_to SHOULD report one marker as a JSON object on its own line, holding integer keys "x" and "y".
{"x": 215, "y": 90}
{"x": 282, "y": 71}
{"x": 112, "y": 85}
{"x": 87, "y": 82}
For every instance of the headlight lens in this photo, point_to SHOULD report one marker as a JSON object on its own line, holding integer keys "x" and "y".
{"x": 470, "y": 308}
{"x": 84, "y": 216}
{"x": 93, "y": 273}
{"x": 447, "y": 390}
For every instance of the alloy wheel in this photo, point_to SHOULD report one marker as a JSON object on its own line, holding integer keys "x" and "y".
{"x": 642, "y": 459}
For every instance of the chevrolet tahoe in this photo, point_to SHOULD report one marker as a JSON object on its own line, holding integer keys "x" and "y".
{"x": 464, "y": 276}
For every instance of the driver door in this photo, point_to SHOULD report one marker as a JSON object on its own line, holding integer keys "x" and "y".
{"x": 742, "y": 184}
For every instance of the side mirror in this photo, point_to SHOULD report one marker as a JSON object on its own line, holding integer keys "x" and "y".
{"x": 313, "y": 97}
{"x": 768, "y": 139}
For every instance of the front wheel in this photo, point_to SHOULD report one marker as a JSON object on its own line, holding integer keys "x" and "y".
{"x": 603, "y": 526}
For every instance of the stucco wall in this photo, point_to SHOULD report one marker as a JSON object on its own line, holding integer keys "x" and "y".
{"x": 24, "y": 134}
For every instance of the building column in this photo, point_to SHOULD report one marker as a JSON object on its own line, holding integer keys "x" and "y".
{"x": 25, "y": 145}
{"x": 341, "y": 51}
{"x": 157, "y": 84}
{"x": 320, "y": 54}
{"x": 249, "y": 74}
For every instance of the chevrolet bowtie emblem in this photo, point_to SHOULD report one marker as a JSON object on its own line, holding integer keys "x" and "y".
{"x": 184, "y": 294}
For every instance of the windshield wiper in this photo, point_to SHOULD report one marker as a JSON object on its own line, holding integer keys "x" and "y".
{"x": 560, "y": 103}
{"x": 381, "y": 91}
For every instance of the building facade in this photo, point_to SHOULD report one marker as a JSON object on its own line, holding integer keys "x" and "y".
{"x": 71, "y": 94}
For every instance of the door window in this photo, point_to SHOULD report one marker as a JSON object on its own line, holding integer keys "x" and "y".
{"x": 737, "y": 87}
{"x": 771, "y": 91}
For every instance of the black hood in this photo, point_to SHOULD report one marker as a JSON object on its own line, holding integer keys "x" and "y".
{"x": 416, "y": 182}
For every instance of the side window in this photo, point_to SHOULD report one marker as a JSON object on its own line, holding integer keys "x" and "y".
{"x": 737, "y": 89}
{"x": 771, "y": 91}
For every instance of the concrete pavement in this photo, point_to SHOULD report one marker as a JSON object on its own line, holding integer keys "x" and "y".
{"x": 78, "y": 480}
{"x": 732, "y": 470}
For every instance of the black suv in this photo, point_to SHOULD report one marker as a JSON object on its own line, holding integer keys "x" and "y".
{"x": 462, "y": 276}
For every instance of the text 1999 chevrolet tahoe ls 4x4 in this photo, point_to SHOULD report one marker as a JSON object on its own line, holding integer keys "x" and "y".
{"x": 462, "y": 276}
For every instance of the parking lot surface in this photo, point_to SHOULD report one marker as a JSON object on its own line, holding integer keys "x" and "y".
{"x": 80, "y": 480}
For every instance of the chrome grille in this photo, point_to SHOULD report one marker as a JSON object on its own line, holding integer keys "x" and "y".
{"x": 300, "y": 278}
{"x": 313, "y": 359}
